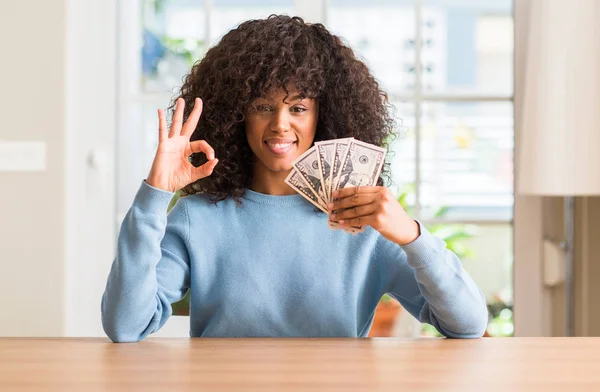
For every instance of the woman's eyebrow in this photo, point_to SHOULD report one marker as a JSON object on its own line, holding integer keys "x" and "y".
{"x": 299, "y": 97}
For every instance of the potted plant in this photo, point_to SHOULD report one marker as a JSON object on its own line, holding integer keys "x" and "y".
{"x": 386, "y": 315}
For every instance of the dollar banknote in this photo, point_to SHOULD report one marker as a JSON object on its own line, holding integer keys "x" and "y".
{"x": 341, "y": 148}
{"x": 296, "y": 181}
{"x": 325, "y": 152}
{"x": 307, "y": 165}
{"x": 335, "y": 164}
{"x": 361, "y": 166}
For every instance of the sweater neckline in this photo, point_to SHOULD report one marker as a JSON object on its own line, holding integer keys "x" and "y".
{"x": 287, "y": 200}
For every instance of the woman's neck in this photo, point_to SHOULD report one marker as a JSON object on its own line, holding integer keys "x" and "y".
{"x": 269, "y": 182}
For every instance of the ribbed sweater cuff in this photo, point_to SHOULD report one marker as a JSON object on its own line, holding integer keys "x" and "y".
{"x": 424, "y": 250}
{"x": 151, "y": 199}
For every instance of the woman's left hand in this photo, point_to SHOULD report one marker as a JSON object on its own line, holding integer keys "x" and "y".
{"x": 374, "y": 206}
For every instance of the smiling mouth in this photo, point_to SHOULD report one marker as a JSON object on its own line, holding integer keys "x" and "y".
{"x": 280, "y": 147}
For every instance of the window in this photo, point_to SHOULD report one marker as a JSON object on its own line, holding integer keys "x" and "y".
{"x": 447, "y": 66}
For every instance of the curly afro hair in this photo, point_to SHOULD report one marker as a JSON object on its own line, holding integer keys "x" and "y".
{"x": 275, "y": 53}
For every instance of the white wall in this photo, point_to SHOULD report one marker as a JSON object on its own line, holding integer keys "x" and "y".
{"x": 32, "y": 108}
{"x": 57, "y": 226}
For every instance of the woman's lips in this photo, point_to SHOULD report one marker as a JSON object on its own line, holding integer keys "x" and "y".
{"x": 280, "y": 146}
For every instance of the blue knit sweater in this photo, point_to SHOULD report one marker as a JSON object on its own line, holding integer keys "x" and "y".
{"x": 272, "y": 267}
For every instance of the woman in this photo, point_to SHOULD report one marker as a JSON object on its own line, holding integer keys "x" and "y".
{"x": 258, "y": 259}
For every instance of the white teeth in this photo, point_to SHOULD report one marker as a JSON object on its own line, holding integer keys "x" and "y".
{"x": 281, "y": 145}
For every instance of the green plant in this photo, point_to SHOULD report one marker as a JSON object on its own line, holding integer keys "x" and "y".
{"x": 501, "y": 323}
{"x": 455, "y": 235}
{"x": 158, "y": 5}
{"x": 190, "y": 49}
{"x": 173, "y": 201}
{"x": 386, "y": 298}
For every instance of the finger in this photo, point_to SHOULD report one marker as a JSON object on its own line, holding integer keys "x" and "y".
{"x": 177, "y": 118}
{"x": 351, "y": 201}
{"x": 345, "y": 192}
{"x": 206, "y": 169}
{"x": 190, "y": 125}
{"x": 163, "y": 131}
{"x": 354, "y": 212}
{"x": 200, "y": 146}
{"x": 356, "y": 222}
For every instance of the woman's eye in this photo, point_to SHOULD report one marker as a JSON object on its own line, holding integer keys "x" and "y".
{"x": 263, "y": 108}
{"x": 297, "y": 109}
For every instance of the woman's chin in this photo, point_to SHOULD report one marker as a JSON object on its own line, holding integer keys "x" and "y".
{"x": 283, "y": 169}
{"x": 280, "y": 167}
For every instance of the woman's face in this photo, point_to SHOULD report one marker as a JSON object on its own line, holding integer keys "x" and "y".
{"x": 279, "y": 132}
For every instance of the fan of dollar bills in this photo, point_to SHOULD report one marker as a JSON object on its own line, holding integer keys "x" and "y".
{"x": 335, "y": 164}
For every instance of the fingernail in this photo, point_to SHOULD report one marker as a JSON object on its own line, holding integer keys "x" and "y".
{"x": 211, "y": 156}
{"x": 330, "y": 205}
{"x": 335, "y": 194}
{"x": 341, "y": 221}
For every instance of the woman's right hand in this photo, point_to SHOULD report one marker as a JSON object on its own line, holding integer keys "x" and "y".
{"x": 171, "y": 169}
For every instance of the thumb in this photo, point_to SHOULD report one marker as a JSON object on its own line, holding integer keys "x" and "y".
{"x": 206, "y": 169}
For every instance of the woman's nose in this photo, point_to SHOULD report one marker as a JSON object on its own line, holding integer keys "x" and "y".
{"x": 280, "y": 121}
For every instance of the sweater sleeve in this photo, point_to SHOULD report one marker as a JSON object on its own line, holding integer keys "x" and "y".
{"x": 151, "y": 269}
{"x": 429, "y": 281}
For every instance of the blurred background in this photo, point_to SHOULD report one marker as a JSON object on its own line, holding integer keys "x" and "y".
{"x": 83, "y": 80}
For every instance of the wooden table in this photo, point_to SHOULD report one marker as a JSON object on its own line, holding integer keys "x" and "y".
{"x": 492, "y": 364}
